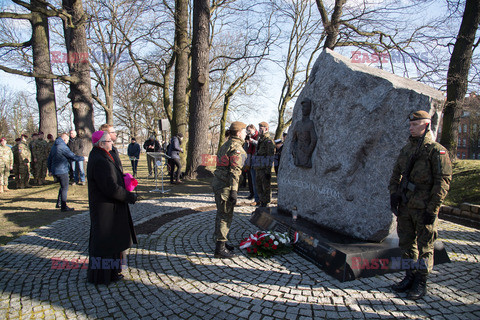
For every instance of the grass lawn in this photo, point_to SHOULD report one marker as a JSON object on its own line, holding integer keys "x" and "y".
{"x": 24, "y": 210}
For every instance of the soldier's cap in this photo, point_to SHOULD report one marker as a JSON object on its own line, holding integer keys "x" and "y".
{"x": 18, "y": 139}
{"x": 237, "y": 126}
{"x": 133, "y": 138}
{"x": 419, "y": 115}
{"x": 34, "y": 134}
{"x": 263, "y": 124}
{"x": 40, "y": 133}
{"x": 49, "y": 136}
{"x": 3, "y": 138}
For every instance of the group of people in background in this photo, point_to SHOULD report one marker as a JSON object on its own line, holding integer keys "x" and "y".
{"x": 25, "y": 159}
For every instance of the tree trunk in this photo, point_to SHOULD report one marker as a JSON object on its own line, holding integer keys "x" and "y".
{"x": 457, "y": 77}
{"x": 223, "y": 120}
{"x": 41, "y": 65}
{"x": 80, "y": 90}
{"x": 181, "y": 67}
{"x": 200, "y": 99}
{"x": 332, "y": 27}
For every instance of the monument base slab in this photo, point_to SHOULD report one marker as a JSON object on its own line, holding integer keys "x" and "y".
{"x": 342, "y": 257}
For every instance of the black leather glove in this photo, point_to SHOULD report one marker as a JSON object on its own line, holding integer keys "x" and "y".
{"x": 268, "y": 176}
{"x": 233, "y": 196}
{"x": 429, "y": 218}
{"x": 395, "y": 200}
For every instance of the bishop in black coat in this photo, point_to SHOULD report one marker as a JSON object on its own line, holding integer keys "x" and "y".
{"x": 111, "y": 229}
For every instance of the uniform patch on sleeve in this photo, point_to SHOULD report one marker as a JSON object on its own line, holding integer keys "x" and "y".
{"x": 443, "y": 152}
{"x": 238, "y": 151}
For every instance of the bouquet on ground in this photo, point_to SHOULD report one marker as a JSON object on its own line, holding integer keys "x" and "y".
{"x": 269, "y": 243}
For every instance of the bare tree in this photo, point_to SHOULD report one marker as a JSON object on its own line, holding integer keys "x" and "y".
{"x": 200, "y": 100}
{"x": 181, "y": 49}
{"x": 109, "y": 25}
{"x": 457, "y": 78}
{"x": 39, "y": 43}
{"x": 303, "y": 45}
{"x": 80, "y": 87}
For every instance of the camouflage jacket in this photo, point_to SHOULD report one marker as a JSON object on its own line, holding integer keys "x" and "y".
{"x": 21, "y": 154}
{"x": 263, "y": 158}
{"x": 39, "y": 150}
{"x": 6, "y": 156}
{"x": 230, "y": 159}
{"x": 431, "y": 174}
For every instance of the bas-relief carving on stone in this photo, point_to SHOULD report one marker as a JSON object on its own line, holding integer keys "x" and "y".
{"x": 358, "y": 118}
{"x": 304, "y": 137}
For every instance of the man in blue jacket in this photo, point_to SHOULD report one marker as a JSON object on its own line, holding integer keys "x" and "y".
{"x": 58, "y": 166}
{"x": 133, "y": 152}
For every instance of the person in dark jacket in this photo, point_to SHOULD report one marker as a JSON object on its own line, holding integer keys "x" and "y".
{"x": 111, "y": 228}
{"x": 58, "y": 165}
{"x": 76, "y": 145}
{"x": 174, "y": 153}
{"x": 133, "y": 152}
{"x": 151, "y": 145}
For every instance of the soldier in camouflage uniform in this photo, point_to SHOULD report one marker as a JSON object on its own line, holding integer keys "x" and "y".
{"x": 262, "y": 163}
{"x": 6, "y": 164}
{"x": 31, "y": 146}
{"x": 230, "y": 159}
{"x": 40, "y": 155}
{"x": 21, "y": 159}
{"x": 416, "y": 201}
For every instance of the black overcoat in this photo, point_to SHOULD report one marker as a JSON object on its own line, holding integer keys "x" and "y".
{"x": 111, "y": 229}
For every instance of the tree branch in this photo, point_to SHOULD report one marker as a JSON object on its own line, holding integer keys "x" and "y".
{"x": 16, "y": 45}
{"x": 69, "y": 79}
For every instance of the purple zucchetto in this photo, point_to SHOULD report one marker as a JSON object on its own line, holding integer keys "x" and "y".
{"x": 97, "y": 135}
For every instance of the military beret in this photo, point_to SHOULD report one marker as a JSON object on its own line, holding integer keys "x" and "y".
{"x": 49, "y": 136}
{"x": 263, "y": 124}
{"x": 18, "y": 139}
{"x": 419, "y": 115}
{"x": 40, "y": 133}
{"x": 3, "y": 138}
{"x": 34, "y": 134}
{"x": 237, "y": 126}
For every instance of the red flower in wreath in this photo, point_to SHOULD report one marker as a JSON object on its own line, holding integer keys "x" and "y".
{"x": 274, "y": 247}
{"x": 266, "y": 245}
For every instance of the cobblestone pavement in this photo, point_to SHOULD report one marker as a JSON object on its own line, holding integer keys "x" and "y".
{"x": 172, "y": 274}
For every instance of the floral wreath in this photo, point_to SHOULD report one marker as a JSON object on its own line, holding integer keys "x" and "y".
{"x": 269, "y": 243}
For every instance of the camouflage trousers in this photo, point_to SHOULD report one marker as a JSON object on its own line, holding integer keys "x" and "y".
{"x": 223, "y": 219}
{"x": 416, "y": 240}
{"x": 22, "y": 175}
{"x": 40, "y": 169}
{"x": 33, "y": 169}
{"x": 4, "y": 173}
{"x": 263, "y": 179}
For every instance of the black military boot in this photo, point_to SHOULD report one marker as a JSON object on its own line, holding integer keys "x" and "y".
{"x": 406, "y": 283}
{"x": 229, "y": 247}
{"x": 221, "y": 251}
{"x": 419, "y": 288}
